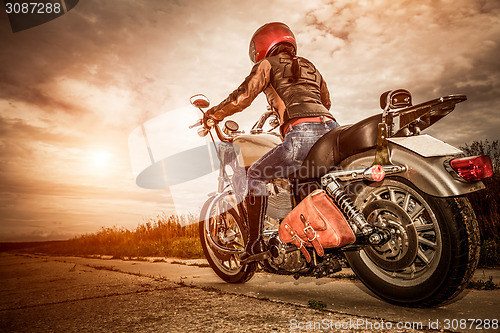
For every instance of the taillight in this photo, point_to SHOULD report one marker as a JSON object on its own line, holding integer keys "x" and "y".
{"x": 473, "y": 168}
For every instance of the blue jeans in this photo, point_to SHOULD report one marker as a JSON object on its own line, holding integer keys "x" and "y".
{"x": 287, "y": 157}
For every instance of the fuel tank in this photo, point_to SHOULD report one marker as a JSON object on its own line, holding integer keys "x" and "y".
{"x": 252, "y": 147}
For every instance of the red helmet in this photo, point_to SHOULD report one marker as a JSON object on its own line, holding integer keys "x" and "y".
{"x": 268, "y": 36}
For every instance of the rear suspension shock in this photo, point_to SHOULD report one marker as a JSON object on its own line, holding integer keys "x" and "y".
{"x": 336, "y": 192}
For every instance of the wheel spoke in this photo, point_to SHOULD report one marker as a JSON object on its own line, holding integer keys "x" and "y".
{"x": 421, "y": 255}
{"x": 427, "y": 242}
{"x": 406, "y": 202}
{"x": 424, "y": 227}
{"x": 417, "y": 213}
{"x": 392, "y": 195}
{"x": 236, "y": 259}
{"x": 226, "y": 235}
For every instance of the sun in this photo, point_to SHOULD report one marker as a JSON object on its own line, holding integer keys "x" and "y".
{"x": 100, "y": 159}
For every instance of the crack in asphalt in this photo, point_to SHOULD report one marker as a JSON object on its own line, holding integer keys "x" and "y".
{"x": 147, "y": 288}
{"x": 182, "y": 284}
{"x": 136, "y": 292}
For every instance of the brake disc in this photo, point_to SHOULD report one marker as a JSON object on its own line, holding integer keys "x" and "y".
{"x": 401, "y": 250}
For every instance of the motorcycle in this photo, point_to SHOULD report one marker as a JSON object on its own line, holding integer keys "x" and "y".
{"x": 402, "y": 193}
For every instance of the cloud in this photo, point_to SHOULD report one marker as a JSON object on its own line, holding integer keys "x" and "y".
{"x": 81, "y": 83}
{"x": 39, "y": 210}
{"x": 432, "y": 48}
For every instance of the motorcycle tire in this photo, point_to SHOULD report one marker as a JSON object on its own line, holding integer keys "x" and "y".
{"x": 433, "y": 251}
{"x": 225, "y": 265}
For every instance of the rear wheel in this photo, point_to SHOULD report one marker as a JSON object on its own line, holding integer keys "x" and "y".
{"x": 433, "y": 250}
{"x": 223, "y": 237}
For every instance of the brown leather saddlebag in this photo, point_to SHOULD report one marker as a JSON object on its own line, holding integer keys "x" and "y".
{"x": 317, "y": 222}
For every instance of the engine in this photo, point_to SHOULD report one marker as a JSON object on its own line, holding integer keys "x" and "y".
{"x": 280, "y": 202}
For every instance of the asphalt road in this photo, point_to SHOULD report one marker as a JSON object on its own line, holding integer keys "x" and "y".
{"x": 73, "y": 294}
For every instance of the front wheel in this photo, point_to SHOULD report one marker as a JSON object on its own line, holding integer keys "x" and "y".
{"x": 433, "y": 250}
{"x": 223, "y": 236}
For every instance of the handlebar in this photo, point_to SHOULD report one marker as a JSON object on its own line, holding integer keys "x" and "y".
{"x": 257, "y": 128}
{"x": 211, "y": 124}
{"x": 200, "y": 101}
{"x": 198, "y": 123}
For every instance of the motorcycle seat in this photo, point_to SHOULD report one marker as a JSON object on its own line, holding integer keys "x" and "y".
{"x": 338, "y": 144}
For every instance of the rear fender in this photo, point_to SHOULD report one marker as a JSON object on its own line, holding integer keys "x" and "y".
{"x": 426, "y": 173}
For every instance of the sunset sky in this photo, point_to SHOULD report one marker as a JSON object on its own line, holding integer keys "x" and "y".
{"x": 74, "y": 89}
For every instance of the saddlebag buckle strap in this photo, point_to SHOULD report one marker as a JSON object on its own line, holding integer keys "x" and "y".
{"x": 298, "y": 242}
{"x": 312, "y": 236}
{"x": 310, "y": 233}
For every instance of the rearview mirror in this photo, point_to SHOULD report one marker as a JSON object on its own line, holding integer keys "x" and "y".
{"x": 200, "y": 101}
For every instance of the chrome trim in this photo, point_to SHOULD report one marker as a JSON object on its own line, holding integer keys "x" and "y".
{"x": 357, "y": 174}
{"x": 207, "y": 226}
{"x": 426, "y": 173}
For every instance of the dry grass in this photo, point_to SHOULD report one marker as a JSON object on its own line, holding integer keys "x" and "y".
{"x": 163, "y": 236}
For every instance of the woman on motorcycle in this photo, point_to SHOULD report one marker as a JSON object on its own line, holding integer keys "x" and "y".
{"x": 296, "y": 91}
